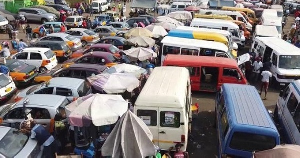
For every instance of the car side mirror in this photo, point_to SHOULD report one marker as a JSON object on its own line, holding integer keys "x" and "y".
{"x": 281, "y": 93}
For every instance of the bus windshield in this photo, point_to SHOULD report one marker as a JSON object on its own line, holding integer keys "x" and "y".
{"x": 289, "y": 61}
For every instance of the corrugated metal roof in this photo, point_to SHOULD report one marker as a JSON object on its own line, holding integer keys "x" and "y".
{"x": 143, "y": 4}
{"x": 246, "y": 108}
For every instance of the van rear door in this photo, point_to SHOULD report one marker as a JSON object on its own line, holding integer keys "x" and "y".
{"x": 171, "y": 127}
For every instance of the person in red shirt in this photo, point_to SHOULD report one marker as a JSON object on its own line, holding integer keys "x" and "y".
{"x": 178, "y": 153}
{"x": 84, "y": 24}
{"x": 63, "y": 18}
{"x": 62, "y": 28}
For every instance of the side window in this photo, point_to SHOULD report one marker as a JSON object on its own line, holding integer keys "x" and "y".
{"x": 99, "y": 49}
{"x": 149, "y": 117}
{"x": 57, "y": 39}
{"x": 46, "y": 38}
{"x": 90, "y": 73}
{"x": 231, "y": 73}
{"x": 76, "y": 73}
{"x": 192, "y": 71}
{"x": 85, "y": 60}
{"x": 274, "y": 59}
{"x": 170, "y": 119}
{"x": 40, "y": 113}
{"x": 56, "y": 25}
{"x": 100, "y": 61}
{"x": 286, "y": 92}
{"x": 23, "y": 55}
{"x": 35, "y": 56}
{"x": 47, "y": 90}
{"x": 255, "y": 45}
{"x": 292, "y": 103}
{"x": 64, "y": 92}
{"x": 16, "y": 113}
{"x": 55, "y": 46}
{"x": 64, "y": 73}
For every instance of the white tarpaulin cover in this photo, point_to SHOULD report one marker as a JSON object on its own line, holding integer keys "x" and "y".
{"x": 100, "y": 109}
{"x": 130, "y": 138}
{"x": 126, "y": 68}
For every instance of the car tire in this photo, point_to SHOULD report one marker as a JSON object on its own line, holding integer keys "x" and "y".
{"x": 44, "y": 20}
{"x": 84, "y": 43}
{"x": 42, "y": 70}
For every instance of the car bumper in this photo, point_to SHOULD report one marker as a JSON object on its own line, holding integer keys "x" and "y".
{"x": 8, "y": 95}
{"x": 29, "y": 79}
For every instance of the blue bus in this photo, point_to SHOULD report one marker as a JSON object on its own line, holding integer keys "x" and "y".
{"x": 243, "y": 123}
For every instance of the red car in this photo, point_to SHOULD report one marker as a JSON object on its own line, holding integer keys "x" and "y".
{"x": 97, "y": 47}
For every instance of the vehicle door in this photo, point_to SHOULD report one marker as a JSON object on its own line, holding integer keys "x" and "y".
{"x": 149, "y": 116}
{"x": 35, "y": 15}
{"x": 65, "y": 92}
{"x": 288, "y": 120}
{"x": 296, "y": 117}
{"x": 194, "y": 77}
{"x": 22, "y": 56}
{"x": 274, "y": 59}
{"x": 14, "y": 117}
{"x": 230, "y": 75}
{"x": 41, "y": 116}
{"x": 85, "y": 60}
{"x": 76, "y": 74}
{"x": 99, "y": 61}
{"x": 35, "y": 59}
{"x": 171, "y": 126}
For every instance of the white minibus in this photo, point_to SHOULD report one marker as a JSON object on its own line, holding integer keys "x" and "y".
{"x": 164, "y": 105}
{"x": 266, "y": 31}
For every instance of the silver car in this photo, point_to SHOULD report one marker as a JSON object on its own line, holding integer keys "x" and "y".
{"x": 104, "y": 31}
{"x": 121, "y": 26}
{"x": 17, "y": 145}
{"x": 36, "y": 14}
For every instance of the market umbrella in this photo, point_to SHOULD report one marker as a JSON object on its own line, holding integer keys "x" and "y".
{"x": 126, "y": 68}
{"x": 157, "y": 30}
{"x": 99, "y": 109}
{"x": 167, "y": 26}
{"x": 138, "y": 31}
{"x": 181, "y": 15}
{"x": 192, "y": 8}
{"x": 280, "y": 151}
{"x": 140, "y": 53}
{"x": 130, "y": 138}
{"x": 169, "y": 20}
{"x": 142, "y": 41}
{"x": 114, "y": 83}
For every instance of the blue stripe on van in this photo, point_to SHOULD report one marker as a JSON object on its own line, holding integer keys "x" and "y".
{"x": 181, "y": 34}
{"x": 296, "y": 88}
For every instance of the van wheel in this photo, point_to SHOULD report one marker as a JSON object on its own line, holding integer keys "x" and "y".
{"x": 42, "y": 69}
{"x": 84, "y": 43}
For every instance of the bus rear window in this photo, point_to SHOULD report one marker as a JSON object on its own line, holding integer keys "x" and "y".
{"x": 251, "y": 142}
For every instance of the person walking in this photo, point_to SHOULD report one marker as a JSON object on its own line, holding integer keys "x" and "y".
{"x": 28, "y": 31}
{"x": 120, "y": 7}
{"x": 23, "y": 23}
{"x": 22, "y": 45}
{"x": 91, "y": 9}
{"x": 9, "y": 30}
{"x": 266, "y": 74}
{"x": 257, "y": 65}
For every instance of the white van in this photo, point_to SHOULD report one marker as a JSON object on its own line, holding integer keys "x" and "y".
{"x": 270, "y": 20}
{"x": 96, "y": 5}
{"x": 164, "y": 104}
{"x": 179, "y": 6}
{"x": 234, "y": 14}
{"x": 279, "y": 10}
{"x": 284, "y": 56}
{"x": 231, "y": 39}
{"x": 220, "y": 25}
{"x": 266, "y": 31}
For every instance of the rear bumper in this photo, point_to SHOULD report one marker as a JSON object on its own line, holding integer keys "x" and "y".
{"x": 28, "y": 79}
{"x": 8, "y": 95}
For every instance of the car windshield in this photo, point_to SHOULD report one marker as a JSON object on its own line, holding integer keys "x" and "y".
{"x": 113, "y": 49}
{"x": 42, "y": 12}
{"x": 94, "y": 4}
{"x": 289, "y": 61}
{"x": 12, "y": 143}
{"x": 16, "y": 66}
{"x": 70, "y": 38}
{"x": 89, "y": 32}
{"x": 4, "y": 80}
{"x": 33, "y": 88}
{"x": 70, "y": 20}
{"x": 49, "y": 54}
{"x": 83, "y": 89}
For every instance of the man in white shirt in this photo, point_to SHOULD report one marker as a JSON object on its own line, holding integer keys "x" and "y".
{"x": 257, "y": 65}
{"x": 266, "y": 74}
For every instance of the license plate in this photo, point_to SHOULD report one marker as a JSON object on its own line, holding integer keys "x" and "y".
{"x": 8, "y": 89}
{"x": 31, "y": 73}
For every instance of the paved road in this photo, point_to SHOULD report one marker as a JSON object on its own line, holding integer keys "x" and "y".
{"x": 204, "y": 137}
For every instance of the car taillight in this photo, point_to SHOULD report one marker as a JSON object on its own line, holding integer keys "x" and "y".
{"x": 17, "y": 98}
{"x": 182, "y": 138}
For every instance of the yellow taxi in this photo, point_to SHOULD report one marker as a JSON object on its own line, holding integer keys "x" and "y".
{"x": 87, "y": 36}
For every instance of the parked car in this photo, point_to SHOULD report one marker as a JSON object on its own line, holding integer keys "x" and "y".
{"x": 114, "y": 14}
{"x": 133, "y": 20}
{"x": 104, "y": 31}
{"x": 87, "y": 36}
{"x": 120, "y": 26}
{"x": 74, "y": 21}
{"x": 60, "y": 48}
{"x": 98, "y": 47}
{"x": 7, "y": 87}
{"x": 47, "y": 26}
{"x": 36, "y": 14}
{"x": 47, "y": 9}
{"x": 99, "y": 58}
{"x": 73, "y": 42}
{"x": 150, "y": 18}
{"x": 42, "y": 58}
{"x": 41, "y": 107}
{"x": 21, "y": 72}
{"x": 72, "y": 88}
{"x": 114, "y": 40}
{"x": 103, "y": 19}
{"x": 81, "y": 71}
{"x": 16, "y": 144}
{"x": 60, "y": 7}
